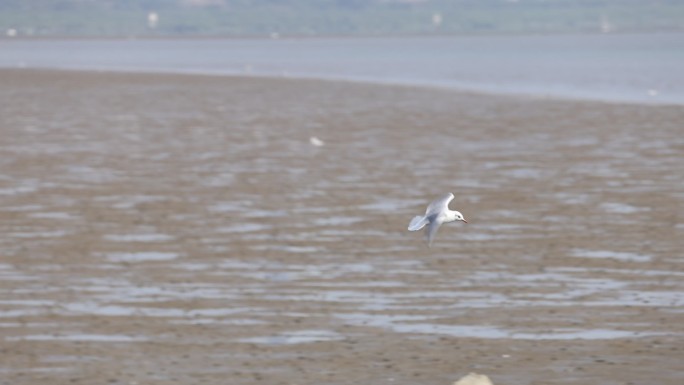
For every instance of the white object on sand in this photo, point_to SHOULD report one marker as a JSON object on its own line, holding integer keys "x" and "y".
{"x": 316, "y": 142}
{"x": 437, "y": 213}
{"x": 474, "y": 379}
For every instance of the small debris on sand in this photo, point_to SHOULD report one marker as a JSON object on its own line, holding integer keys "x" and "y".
{"x": 316, "y": 142}
{"x": 474, "y": 379}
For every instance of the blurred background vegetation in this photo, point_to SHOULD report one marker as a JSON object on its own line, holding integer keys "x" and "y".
{"x": 243, "y": 18}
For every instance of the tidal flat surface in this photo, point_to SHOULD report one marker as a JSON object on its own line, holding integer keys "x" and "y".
{"x": 159, "y": 229}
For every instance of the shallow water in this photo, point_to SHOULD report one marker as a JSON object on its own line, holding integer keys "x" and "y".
{"x": 642, "y": 68}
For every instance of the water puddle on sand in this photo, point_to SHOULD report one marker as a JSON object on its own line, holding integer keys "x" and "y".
{"x": 51, "y": 369}
{"x": 391, "y": 205}
{"x": 53, "y": 215}
{"x": 218, "y": 321}
{"x": 18, "y": 190}
{"x": 78, "y": 337}
{"x": 288, "y": 249}
{"x": 230, "y": 207}
{"x": 620, "y": 256}
{"x": 408, "y": 324}
{"x": 39, "y": 234}
{"x": 621, "y": 208}
{"x": 295, "y": 337}
{"x": 143, "y": 256}
{"x": 336, "y": 221}
{"x": 127, "y": 202}
{"x": 242, "y": 228}
{"x": 100, "y": 309}
{"x": 138, "y": 237}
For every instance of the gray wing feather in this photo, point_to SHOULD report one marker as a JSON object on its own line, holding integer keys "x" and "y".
{"x": 431, "y": 231}
{"x": 439, "y": 205}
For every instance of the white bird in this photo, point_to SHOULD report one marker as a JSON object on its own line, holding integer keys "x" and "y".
{"x": 437, "y": 213}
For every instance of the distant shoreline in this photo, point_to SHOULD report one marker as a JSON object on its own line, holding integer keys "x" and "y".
{"x": 341, "y": 80}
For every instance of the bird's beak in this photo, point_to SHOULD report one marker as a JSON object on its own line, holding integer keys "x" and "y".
{"x": 464, "y": 220}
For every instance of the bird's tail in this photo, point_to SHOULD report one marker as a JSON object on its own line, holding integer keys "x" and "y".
{"x": 417, "y": 223}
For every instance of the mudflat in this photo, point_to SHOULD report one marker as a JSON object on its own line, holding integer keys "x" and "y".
{"x": 170, "y": 229}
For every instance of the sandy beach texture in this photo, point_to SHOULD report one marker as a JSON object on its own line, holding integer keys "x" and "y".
{"x": 167, "y": 229}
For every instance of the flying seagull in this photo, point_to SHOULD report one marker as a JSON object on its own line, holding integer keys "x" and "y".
{"x": 437, "y": 213}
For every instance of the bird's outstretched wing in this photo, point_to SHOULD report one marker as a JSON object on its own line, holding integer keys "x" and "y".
{"x": 431, "y": 231}
{"x": 439, "y": 205}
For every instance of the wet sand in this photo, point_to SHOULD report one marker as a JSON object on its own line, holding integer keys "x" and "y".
{"x": 166, "y": 229}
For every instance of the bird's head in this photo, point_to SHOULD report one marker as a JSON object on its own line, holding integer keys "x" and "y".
{"x": 459, "y": 217}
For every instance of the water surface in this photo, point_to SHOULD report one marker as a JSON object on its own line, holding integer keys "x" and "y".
{"x": 643, "y": 68}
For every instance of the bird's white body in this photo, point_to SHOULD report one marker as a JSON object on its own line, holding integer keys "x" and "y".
{"x": 436, "y": 214}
